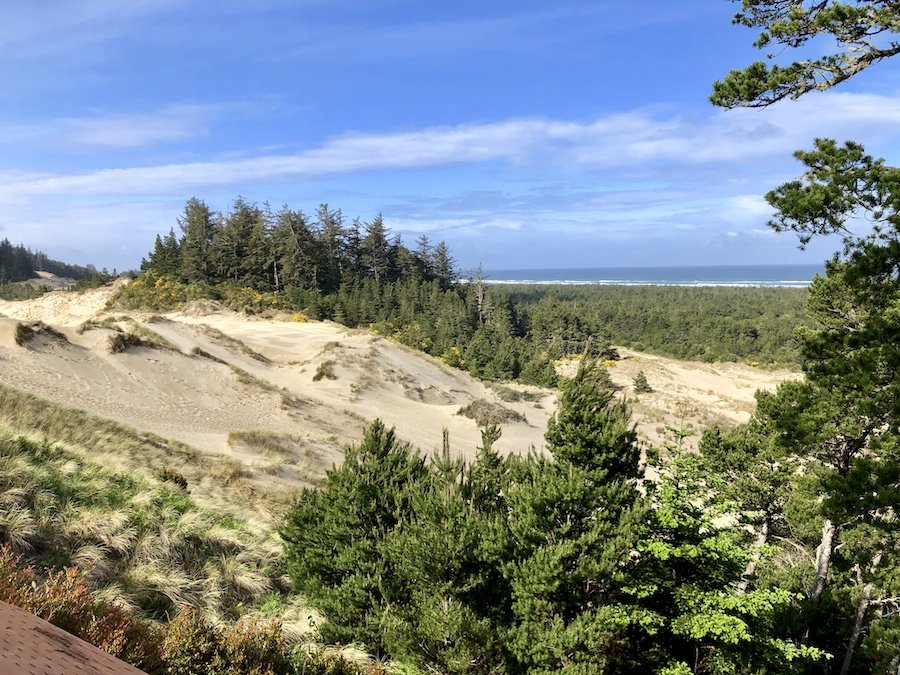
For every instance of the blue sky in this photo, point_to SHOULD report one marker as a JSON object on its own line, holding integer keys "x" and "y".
{"x": 525, "y": 134}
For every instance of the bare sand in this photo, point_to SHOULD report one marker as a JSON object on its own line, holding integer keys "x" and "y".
{"x": 228, "y": 372}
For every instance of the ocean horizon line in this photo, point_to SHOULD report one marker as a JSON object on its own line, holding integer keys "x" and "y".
{"x": 774, "y": 275}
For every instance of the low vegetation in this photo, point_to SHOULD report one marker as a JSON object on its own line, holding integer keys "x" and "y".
{"x": 325, "y": 370}
{"x": 186, "y": 645}
{"x": 26, "y": 332}
{"x": 146, "y": 542}
{"x": 487, "y": 413}
{"x": 121, "y": 342}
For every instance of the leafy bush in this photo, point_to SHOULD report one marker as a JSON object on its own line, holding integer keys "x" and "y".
{"x": 121, "y": 342}
{"x": 487, "y": 413}
{"x": 325, "y": 370}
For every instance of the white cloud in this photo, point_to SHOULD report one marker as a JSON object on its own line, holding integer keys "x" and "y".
{"x": 638, "y": 139}
{"x": 174, "y": 123}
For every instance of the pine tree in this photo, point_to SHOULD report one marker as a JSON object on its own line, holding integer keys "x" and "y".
{"x": 334, "y": 537}
{"x": 641, "y": 385}
{"x": 198, "y": 233}
{"x": 578, "y": 519}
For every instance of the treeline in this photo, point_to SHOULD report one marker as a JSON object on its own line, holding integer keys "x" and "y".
{"x": 357, "y": 274}
{"x": 362, "y": 276}
{"x": 254, "y": 247}
{"x": 18, "y": 263}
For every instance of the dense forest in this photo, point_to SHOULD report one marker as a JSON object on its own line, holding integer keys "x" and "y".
{"x": 18, "y": 263}
{"x": 360, "y": 275}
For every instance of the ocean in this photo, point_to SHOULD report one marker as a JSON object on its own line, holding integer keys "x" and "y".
{"x": 786, "y": 276}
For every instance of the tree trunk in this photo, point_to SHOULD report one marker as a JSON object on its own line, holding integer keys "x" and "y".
{"x": 859, "y": 622}
{"x": 761, "y": 538}
{"x": 823, "y": 559}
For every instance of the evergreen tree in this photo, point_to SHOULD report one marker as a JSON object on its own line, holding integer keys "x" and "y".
{"x": 331, "y": 235}
{"x": 860, "y": 34}
{"x": 165, "y": 258}
{"x": 579, "y": 520}
{"x": 641, "y": 385}
{"x": 375, "y": 251}
{"x": 334, "y": 537}
{"x": 295, "y": 251}
{"x": 443, "y": 266}
{"x": 198, "y": 233}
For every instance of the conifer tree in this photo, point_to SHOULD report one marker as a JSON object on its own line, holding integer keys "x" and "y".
{"x": 641, "y": 385}
{"x": 578, "y": 518}
{"x": 334, "y": 537}
{"x": 198, "y": 233}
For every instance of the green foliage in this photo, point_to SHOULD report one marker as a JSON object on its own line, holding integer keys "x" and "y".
{"x": 260, "y": 262}
{"x": 858, "y": 33}
{"x": 641, "y": 385}
{"x": 18, "y": 263}
{"x": 17, "y": 291}
{"x": 592, "y": 429}
{"x": 703, "y": 324}
{"x": 535, "y": 564}
{"x": 487, "y": 413}
{"x": 334, "y": 536}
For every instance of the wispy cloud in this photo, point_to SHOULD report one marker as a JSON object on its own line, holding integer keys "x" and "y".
{"x": 636, "y": 139}
{"x": 174, "y": 123}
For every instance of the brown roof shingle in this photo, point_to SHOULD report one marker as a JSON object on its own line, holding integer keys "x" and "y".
{"x": 32, "y": 646}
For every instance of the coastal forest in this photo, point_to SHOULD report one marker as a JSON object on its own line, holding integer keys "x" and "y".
{"x": 774, "y": 548}
{"x": 360, "y": 275}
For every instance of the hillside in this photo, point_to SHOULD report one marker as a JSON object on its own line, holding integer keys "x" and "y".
{"x": 215, "y": 374}
{"x": 310, "y": 386}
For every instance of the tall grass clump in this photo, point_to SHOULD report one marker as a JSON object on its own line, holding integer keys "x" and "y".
{"x": 186, "y": 645}
{"x": 146, "y": 543}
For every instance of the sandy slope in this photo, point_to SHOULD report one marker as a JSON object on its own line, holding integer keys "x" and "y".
{"x": 688, "y": 394}
{"x": 251, "y": 374}
{"x": 259, "y": 374}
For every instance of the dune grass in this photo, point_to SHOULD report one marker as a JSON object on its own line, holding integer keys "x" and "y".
{"x": 145, "y": 542}
{"x": 26, "y": 332}
{"x": 284, "y": 451}
{"x": 217, "y": 481}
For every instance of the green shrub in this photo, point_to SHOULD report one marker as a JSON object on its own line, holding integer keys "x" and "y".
{"x": 641, "y": 386}
{"x": 121, "y": 342}
{"x": 487, "y": 413}
{"x": 325, "y": 370}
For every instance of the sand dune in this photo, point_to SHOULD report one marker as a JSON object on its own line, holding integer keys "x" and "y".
{"x": 224, "y": 372}
{"x": 317, "y": 384}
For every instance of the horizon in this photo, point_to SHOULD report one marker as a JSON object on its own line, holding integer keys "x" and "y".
{"x": 515, "y": 132}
